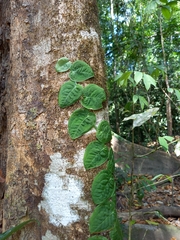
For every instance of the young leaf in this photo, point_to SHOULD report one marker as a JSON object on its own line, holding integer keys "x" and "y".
{"x": 93, "y": 96}
{"x": 80, "y": 71}
{"x": 177, "y": 92}
{"x": 139, "y": 119}
{"x": 138, "y": 76}
{"x": 103, "y": 217}
{"x": 69, "y": 93}
{"x": 103, "y": 187}
{"x": 163, "y": 143}
{"x": 166, "y": 12}
{"x": 95, "y": 155}
{"x": 63, "y": 65}
{"x": 148, "y": 81}
{"x": 152, "y": 223}
{"x": 97, "y": 237}
{"x": 80, "y": 122}
{"x": 12, "y": 230}
{"x": 135, "y": 98}
{"x": 103, "y": 133}
{"x": 169, "y": 138}
{"x": 143, "y": 102}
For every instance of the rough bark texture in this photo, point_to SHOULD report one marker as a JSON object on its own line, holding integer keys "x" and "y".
{"x": 4, "y": 72}
{"x": 45, "y": 178}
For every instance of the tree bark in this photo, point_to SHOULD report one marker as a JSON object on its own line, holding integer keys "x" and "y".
{"x": 45, "y": 177}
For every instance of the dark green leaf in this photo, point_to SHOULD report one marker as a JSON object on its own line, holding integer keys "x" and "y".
{"x": 80, "y": 71}
{"x": 97, "y": 238}
{"x": 93, "y": 96}
{"x": 80, "y": 122}
{"x": 96, "y": 154}
{"x": 103, "y": 217}
{"x": 116, "y": 233}
{"x": 103, "y": 186}
{"x": 69, "y": 93}
{"x": 111, "y": 162}
{"x": 63, "y": 65}
{"x": 103, "y": 133}
{"x": 9, "y": 232}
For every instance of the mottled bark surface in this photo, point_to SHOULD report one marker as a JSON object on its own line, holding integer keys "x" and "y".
{"x": 4, "y": 72}
{"x": 45, "y": 177}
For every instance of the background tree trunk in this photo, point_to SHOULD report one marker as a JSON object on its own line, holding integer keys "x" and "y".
{"x": 45, "y": 177}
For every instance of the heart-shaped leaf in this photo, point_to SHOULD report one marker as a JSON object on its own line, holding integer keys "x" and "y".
{"x": 80, "y": 71}
{"x": 103, "y": 187}
{"x": 69, "y": 93}
{"x": 95, "y": 155}
{"x": 80, "y": 122}
{"x": 63, "y": 64}
{"x": 103, "y": 133}
{"x": 103, "y": 218}
{"x": 93, "y": 96}
{"x": 116, "y": 233}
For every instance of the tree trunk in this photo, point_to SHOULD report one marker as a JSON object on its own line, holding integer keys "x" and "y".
{"x": 45, "y": 177}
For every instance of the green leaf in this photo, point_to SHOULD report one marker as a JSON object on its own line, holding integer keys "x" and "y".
{"x": 143, "y": 102}
{"x": 103, "y": 187}
{"x": 177, "y": 149}
{"x": 111, "y": 162}
{"x": 12, "y": 230}
{"x": 95, "y": 155}
{"x": 69, "y": 93}
{"x": 122, "y": 78}
{"x": 116, "y": 233}
{"x": 103, "y": 133}
{"x": 169, "y": 138}
{"x": 93, "y": 96}
{"x": 80, "y": 71}
{"x": 139, "y": 119}
{"x": 80, "y": 122}
{"x": 103, "y": 217}
{"x": 135, "y": 98}
{"x": 148, "y": 81}
{"x": 163, "y": 143}
{"x": 166, "y": 12}
{"x": 177, "y": 92}
{"x": 63, "y": 65}
{"x": 152, "y": 223}
{"x": 97, "y": 237}
{"x": 138, "y": 76}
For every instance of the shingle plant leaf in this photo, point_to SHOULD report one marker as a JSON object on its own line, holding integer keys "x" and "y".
{"x": 116, "y": 233}
{"x": 103, "y": 218}
{"x": 95, "y": 155}
{"x": 111, "y": 162}
{"x": 103, "y": 186}
{"x": 97, "y": 237}
{"x": 80, "y": 122}
{"x": 69, "y": 93}
{"x": 93, "y": 96}
{"x": 80, "y": 71}
{"x": 63, "y": 64}
{"x": 103, "y": 133}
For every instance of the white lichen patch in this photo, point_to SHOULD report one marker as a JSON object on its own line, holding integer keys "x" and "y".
{"x": 49, "y": 236}
{"x": 62, "y": 193}
{"x": 91, "y": 34}
{"x": 40, "y": 53}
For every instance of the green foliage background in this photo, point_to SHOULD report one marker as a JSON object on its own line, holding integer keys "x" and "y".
{"x": 131, "y": 39}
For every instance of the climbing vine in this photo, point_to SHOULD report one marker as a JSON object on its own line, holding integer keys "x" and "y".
{"x": 104, "y": 217}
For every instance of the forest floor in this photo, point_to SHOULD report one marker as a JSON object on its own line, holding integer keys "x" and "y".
{"x": 161, "y": 205}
